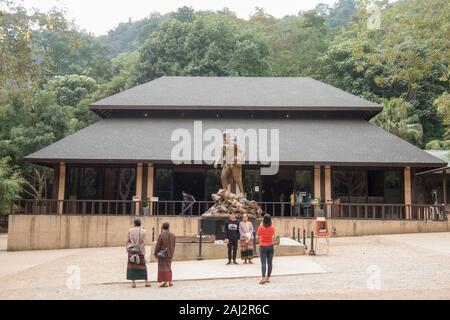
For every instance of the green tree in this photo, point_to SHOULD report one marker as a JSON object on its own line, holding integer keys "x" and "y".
{"x": 17, "y": 67}
{"x": 262, "y": 17}
{"x": 397, "y": 118}
{"x": 129, "y": 36}
{"x": 211, "y": 45}
{"x": 295, "y": 42}
{"x": 340, "y": 14}
{"x": 11, "y": 182}
{"x": 71, "y": 89}
{"x": 69, "y": 51}
{"x": 184, "y": 14}
{"x": 45, "y": 123}
{"x": 407, "y": 58}
{"x": 438, "y": 145}
{"x": 442, "y": 105}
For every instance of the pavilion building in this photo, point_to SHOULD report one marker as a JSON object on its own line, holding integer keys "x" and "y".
{"x": 328, "y": 151}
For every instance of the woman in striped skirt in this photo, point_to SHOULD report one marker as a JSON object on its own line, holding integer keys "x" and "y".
{"x": 135, "y": 244}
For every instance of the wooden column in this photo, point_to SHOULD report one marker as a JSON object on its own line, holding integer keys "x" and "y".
{"x": 327, "y": 183}
{"x": 138, "y": 187}
{"x": 55, "y": 185}
{"x": 408, "y": 192}
{"x": 444, "y": 187}
{"x": 328, "y": 191}
{"x": 150, "y": 184}
{"x": 317, "y": 187}
{"x": 61, "y": 186}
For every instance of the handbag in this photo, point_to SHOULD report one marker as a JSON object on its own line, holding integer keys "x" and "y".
{"x": 135, "y": 248}
{"x": 162, "y": 253}
{"x": 135, "y": 259}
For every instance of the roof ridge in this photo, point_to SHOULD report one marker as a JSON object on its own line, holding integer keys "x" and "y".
{"x": 213, "y": 93}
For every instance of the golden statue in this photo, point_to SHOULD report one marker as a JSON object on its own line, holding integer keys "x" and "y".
{"x": 231, "y": 159}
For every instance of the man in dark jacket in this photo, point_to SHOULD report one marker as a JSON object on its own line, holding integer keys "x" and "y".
{"x": 232, "y": 236}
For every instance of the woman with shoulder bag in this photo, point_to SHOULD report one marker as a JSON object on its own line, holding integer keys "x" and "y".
{"x": 164, "y": 251}
{"x": 135, "y": 244}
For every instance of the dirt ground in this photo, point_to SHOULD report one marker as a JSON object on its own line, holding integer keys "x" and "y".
{"x": 412, "y": 266}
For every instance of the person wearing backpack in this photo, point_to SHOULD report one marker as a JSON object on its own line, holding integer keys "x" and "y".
{"x": 135, "y": 245}
{"x": 164, "y": 251}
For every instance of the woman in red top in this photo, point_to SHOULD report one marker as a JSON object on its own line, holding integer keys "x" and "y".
{"x": 266, "y": 232}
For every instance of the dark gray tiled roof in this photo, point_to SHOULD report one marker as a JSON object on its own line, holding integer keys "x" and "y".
{"x": 235, "y": 92}
{"x": 302, "y": 141}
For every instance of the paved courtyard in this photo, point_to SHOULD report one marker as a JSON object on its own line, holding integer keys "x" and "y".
{"x": 411, "y": 266}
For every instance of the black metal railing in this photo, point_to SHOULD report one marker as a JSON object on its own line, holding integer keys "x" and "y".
{"x": 277, "y": 209}
{"x": 3, "y": 223}
{"x": 175, "y": 208}
{"x": 385, "y": 211}
{"x": 109, "y": 207}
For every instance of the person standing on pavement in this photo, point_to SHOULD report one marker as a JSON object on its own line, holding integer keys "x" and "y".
{"x": 265, "y": 233}
{"x": 188, "y": 202}
{"x": 164, "y": 251}
{"x": 135, "y": 245}
{"x": 232, "y": 237}
{"x": 246, "y": 241}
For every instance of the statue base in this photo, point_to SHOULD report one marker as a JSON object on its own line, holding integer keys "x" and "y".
{"x": 216, "y": 226}
{"x": 226, "y": 202}
{"x": 213, "y": 226}
{"x": 213, "y": 220}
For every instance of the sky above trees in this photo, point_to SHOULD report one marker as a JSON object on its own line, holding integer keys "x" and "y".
{"x": 86, "y": 12}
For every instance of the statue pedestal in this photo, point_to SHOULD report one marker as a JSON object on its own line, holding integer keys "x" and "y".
{"x": 216, "y": 227}
{"x": 213, "y": 226}
{"x": 213, "y": 220}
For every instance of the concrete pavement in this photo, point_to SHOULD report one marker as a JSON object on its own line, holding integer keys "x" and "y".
{"x": 412, "y": 266}
{"x": 108, "y": 265}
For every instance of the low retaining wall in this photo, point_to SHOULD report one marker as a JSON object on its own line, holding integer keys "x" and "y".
{"x": 352, "y": 228}
{"x": 42, "y": 232}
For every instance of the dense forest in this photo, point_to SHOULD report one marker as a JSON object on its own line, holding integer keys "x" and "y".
{"x": 51, "y": 70}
